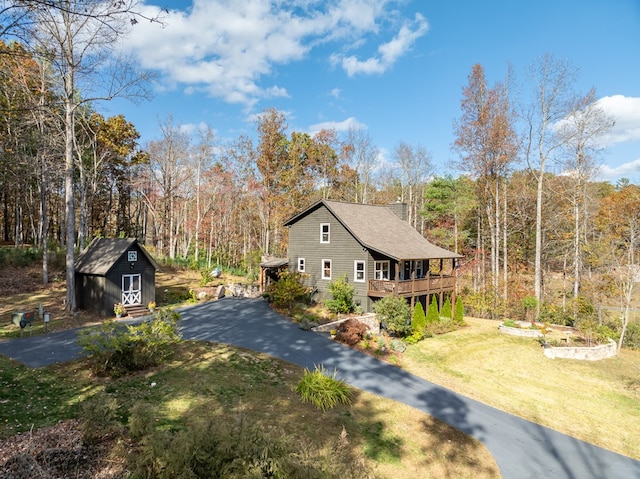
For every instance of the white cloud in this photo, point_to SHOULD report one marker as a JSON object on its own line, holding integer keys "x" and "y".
{"x": 629, "y": 170}
{"x": 626, "y": 112}
{"x": 337, "y": 125}
{"x": 389, "y": 52}
{"x": 227, "y": 49}
{"x": 335, "y": 93}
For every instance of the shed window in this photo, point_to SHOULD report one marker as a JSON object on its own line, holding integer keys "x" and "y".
{"x": 325, "y": 233}
{"x": 326, "y": 269}
{"x": 132, "y": 256}
{"x": 358, "y": 271}
{"x": 382, "y": 270}
{"x": 301, "y": 265}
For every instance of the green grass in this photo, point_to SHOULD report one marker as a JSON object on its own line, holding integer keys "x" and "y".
{"x": 596, "y": 401}
{"x": 397, "y": 441}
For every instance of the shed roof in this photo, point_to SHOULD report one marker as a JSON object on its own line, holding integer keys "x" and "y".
{"x": 379, "y": 228}
{"x": 103, "y": 253}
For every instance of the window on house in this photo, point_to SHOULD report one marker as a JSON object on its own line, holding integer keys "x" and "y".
{"x": 382, "y": 270}
{"x": 326, "y": 269}
{"x": 301, "y": 265}
{"x": 358, "y": 271}
{"x": 419, "y": 271}
{"x": 325, "y": 233}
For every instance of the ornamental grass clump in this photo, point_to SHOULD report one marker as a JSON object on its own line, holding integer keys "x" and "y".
{"x": 323, "y": 391}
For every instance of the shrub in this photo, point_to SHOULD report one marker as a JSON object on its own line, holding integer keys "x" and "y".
{"x": 99, "y": 418}
{"x": 458, "y": 314}
{"x": 529, "y": 304}
{"x": 114, "y": 349}
{"x": 446, "y": 309}
{"x": 398, "y": 345}
{"x": 323, "y": 391}
{"x": 419, "y": 320}
{"x": 394, "y": 314}
{"x": 205, "y": 278}
{"x": 342, "y": 293}
{"x": 632, "y": 335}
{"x": 215, "y": 444}
{"x": 351, "y": 332}
{"x": 288, "y": 290}
{"x": 415, "y": 337}
{"x": 442, "y": 326}
{"x": 432, "y": 313}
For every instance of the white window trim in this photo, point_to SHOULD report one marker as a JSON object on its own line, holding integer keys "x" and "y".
{"x": 330, "y": 268}
{"x": 328, "y": 225}
{"x": 301, "y": 265}
{"x": 355, "y": 271}
{"x": 378, "y": 270}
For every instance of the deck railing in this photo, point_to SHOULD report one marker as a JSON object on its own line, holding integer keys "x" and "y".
{"x": 417, "y": 287}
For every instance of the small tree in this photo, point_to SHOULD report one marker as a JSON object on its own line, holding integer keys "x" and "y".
{"x": 394, "y": 314}
{"x": 432, "y": 314}
{"x": 446, "y": 309}
{"x": 287, "y": 290}
{"x": 419, "y": 320}
{"x": 342, "y": 292}
{"x": 458, "y": 315}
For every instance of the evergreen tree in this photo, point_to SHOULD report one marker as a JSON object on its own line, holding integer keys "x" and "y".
{"x": 446, "y": 309}
{"x": 458, "y": 316}
{"x": 432, "y": 314}
{"x": 419, "y": 320}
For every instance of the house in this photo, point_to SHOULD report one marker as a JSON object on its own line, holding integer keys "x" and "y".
{"x": 378, "y": 250}
{"x": 114, "y": 270}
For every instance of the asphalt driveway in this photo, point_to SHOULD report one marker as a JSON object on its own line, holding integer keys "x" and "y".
{"x": 522, "y": 449}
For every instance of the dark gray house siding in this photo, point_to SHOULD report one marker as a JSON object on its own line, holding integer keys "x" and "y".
{"x": 100, "y": 269}
{"x": 342, "y": 250}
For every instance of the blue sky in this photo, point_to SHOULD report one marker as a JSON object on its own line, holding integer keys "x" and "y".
{"x": 393, "y": 68}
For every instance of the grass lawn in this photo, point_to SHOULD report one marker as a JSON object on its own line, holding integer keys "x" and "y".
{"x": 398, "y": 441}
{"x": 596, "y": 401}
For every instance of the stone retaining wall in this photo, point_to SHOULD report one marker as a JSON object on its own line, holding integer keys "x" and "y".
{"x": 586, "y": 354}
{"x": 527, "y": 333}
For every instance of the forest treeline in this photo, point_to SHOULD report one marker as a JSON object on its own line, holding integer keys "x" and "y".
{"x": 522, "y": 203}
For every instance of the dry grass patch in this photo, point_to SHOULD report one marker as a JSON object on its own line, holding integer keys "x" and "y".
{"x": 596, "y": 401}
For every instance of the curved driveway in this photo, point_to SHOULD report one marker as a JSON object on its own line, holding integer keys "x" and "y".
{"x": 522, "y": 449}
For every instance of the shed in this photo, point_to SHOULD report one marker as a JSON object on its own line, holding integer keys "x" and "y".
{"x": 114, "y": 270}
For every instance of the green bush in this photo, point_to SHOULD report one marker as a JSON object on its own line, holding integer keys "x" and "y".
{"x": 218, "y": 445}
{"x": 458, "y": 313}
{"x": 99, "y": 416}
{"x": 398, "y": 345}
{"x": 632, "y": 335}
{"x": 288, "y": 290}
{"x": 394, "y": 314}
{"x": 342, "y": 292}
{"x": 419, "y": 320}
{"x": 323, "y": 391}
{"x": 433, "y": 316}
{"x": 415, "y": 337}
{"x": 446, "y": 309}
{"x": 114, "y": 349}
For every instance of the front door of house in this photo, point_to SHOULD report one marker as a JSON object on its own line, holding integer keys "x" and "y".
{"x": 131, "y": 289}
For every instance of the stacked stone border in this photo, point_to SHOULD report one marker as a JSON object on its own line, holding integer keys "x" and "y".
{"x": 594, "y": 353}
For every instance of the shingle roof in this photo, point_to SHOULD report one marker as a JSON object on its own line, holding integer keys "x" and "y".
{"x": 379, "y": 228}
{"x": 102, "y": 253}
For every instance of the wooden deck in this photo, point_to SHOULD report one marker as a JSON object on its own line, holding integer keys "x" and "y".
{"x": 430, "y": 285}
